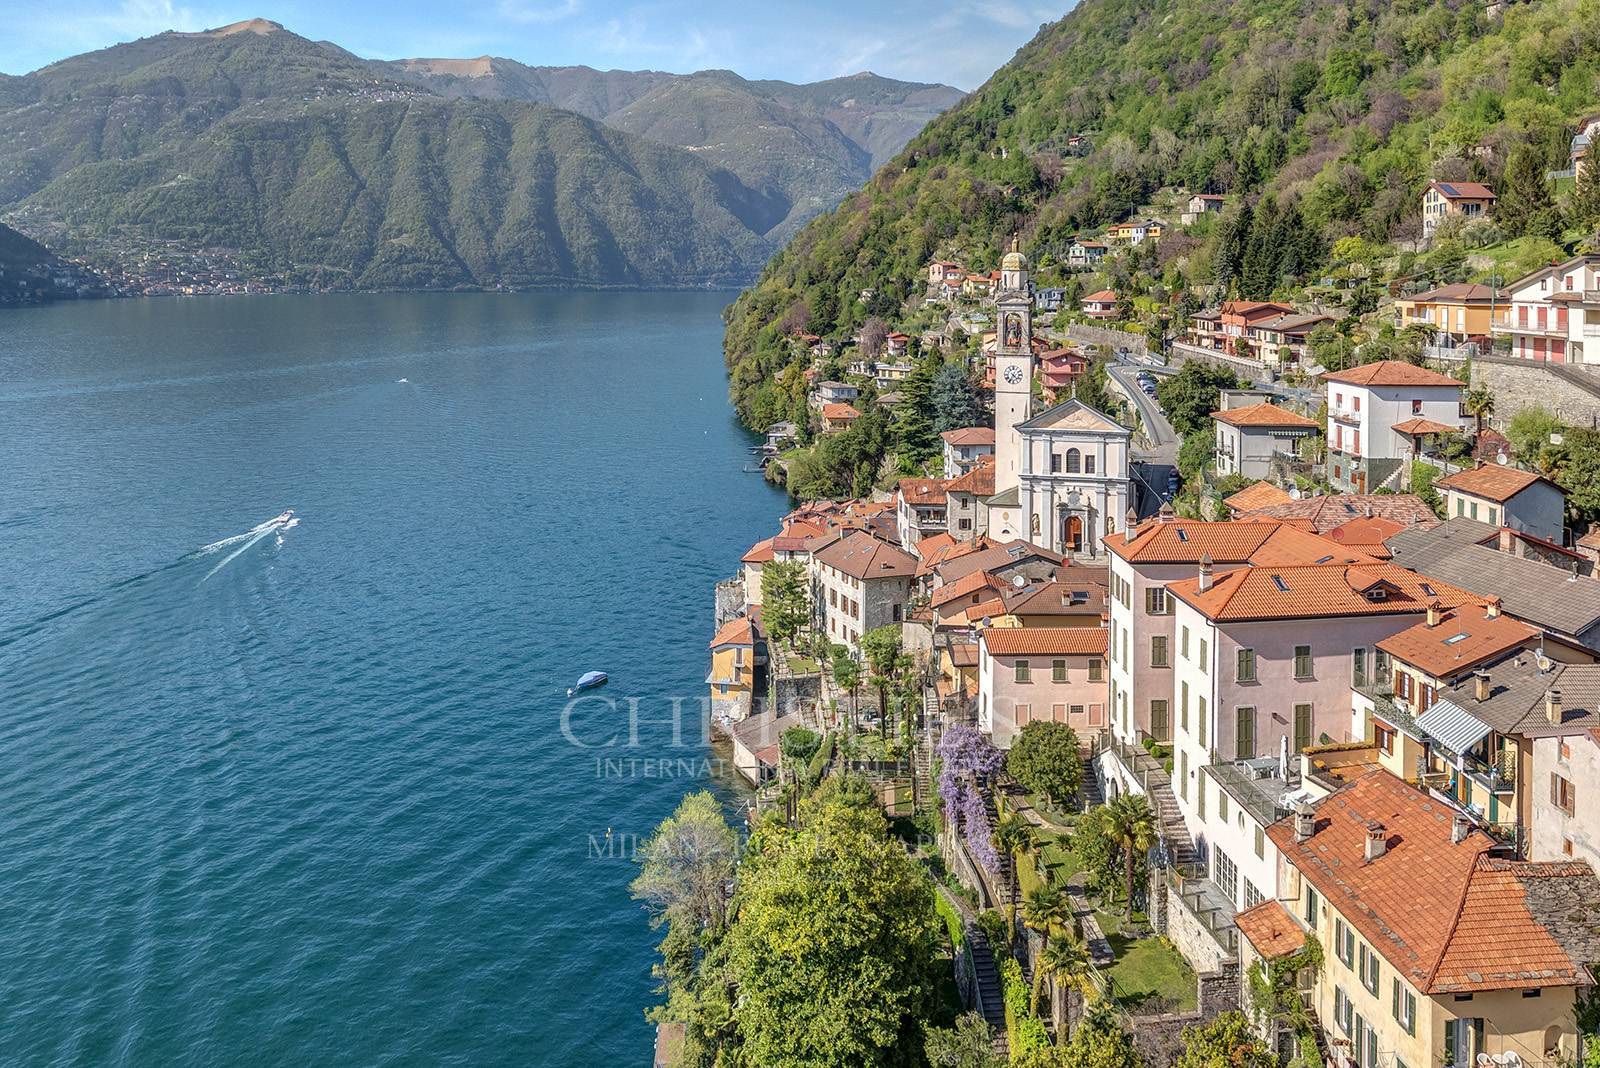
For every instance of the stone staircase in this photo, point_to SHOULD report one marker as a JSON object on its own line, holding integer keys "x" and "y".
{"x": 1089, "y": 791}
{"x": 1158, "y": 788}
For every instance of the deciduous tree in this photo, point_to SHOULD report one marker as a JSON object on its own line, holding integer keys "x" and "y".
{"x": 1044, "y": 759}
{"x": 785, "y": 599}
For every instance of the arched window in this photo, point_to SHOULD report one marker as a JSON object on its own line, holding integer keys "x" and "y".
{"x": 1074, "y": 462}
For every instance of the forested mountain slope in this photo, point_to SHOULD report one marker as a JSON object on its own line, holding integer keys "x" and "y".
{"x": 1338, "y": 113}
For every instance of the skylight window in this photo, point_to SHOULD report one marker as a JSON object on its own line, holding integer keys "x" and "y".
{"x": 1324, "y": 559}
{"x": 1277, "y": 580}
{"x": 1427, "y": 589}
{"x": 1183, "y": 535}
{"x": 1454, "y": 638}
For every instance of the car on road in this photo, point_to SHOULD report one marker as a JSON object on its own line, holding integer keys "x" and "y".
{"x": 1173, "y": 482}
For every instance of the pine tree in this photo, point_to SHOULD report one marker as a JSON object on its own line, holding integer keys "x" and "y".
{"x": 955, "y": 405}
{"x": 1583, "y": 206}
{"x": 1232, "y": 238}
{"x": 1259, "y": 274}
{"x": 914, "y": 427}
{"x": 1525, "y": 205}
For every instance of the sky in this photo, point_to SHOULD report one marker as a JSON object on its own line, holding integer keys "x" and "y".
{"x": 957, "y": 42}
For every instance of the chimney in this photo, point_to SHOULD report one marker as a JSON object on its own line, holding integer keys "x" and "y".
{"x": 1479, "y": 463}
{"x": 1305, "y": 823}
{"x": 1131, "y": 527}
{"x": 1552, "y": 706}
{"x": 1377, "y": 841}
{"x": 1435, "y": 614}
{"x": 1461, "y": 827}
{"x": 1508, "y": 542}
{"x": 1205, "y": 572}
{"x": 1165, "y": 513}
{"x": 1492, "y": 609}
{"x": 1480, "y": 685}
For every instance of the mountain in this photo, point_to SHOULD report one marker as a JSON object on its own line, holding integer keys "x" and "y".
{"x": 251, "y": 154}
{"x": 806, "y": 145}
{"x": 31, "y": 273}
{"x": 1330, "y": 117}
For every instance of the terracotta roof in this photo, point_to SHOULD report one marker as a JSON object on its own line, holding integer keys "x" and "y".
{"x": 961, "y": 587}
{"x": 1463, "y": 639}
{"x": 1264, "y": 415}
{"x": 922, "y": 490}
{"x": 1056, "y": 597}
{"x": 1104, "y": 296}
{"x": 1457, "y": 293}
{"x": 1316, "y": 591}
{"x": 1044, "y": 641}
{"x": 1463, "y": 190}
{"x": 963, "y": 654}
{"x": 1256, "y": 495}
{"x": 863, "y": 556}
{"x": 982, "y": 611}
{"x": 1334, "y": 510}
{"x": 1366, "y": 534}
{"x": 1444, "y": 914}
{"x": 1493, "y": 482}
{"x": 995, "y": 556}
{"x": 979, "y": 481}
{"x": 1248, "y": 308}
{"x": 1185, "y": 541}
{"x": 1420, "y": 425}
{"x": 970, "y": 435}
{"x": 932, "y": 558}
{"x": 933, "y": 543}
{"x": 1270, "y": 929}
{"x": 759, "y": 553}
{"x": 1391, "y": 373}
{"x": 840, "y": 411}
{"x": 735, "y": 632}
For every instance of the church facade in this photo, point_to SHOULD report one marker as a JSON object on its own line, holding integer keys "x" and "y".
{"x": 1061, "y": 475}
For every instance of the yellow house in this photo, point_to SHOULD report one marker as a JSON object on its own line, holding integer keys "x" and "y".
{"x": 733, "y": 667}
{"x": 1453, "y": 313}
{"x": 1434, "y": 950}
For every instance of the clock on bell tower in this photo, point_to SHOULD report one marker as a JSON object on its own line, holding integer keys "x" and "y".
{"x": 1013, "y": 365}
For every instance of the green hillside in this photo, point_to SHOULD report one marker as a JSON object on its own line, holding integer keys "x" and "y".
{"x": 1335, "y": 114}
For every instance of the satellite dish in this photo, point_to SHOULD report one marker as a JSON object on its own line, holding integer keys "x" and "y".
{"x": 1502, "y": 459}
{"x": 1018, "y": 581}
{"x": 1294, "y": 493}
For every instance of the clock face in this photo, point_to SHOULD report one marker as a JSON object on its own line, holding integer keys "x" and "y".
{"x": 1013, "y": 374}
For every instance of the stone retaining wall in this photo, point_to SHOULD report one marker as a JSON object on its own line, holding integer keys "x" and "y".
{"x": 1519, "y": 384}
{"x": 1198, "y": 945}
{"x": 1100, "y": 335}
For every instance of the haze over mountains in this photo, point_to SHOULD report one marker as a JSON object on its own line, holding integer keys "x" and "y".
{"x": 295, "y": 162}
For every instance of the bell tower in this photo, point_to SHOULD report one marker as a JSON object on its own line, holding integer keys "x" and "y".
{"x": 1013, "y": 366}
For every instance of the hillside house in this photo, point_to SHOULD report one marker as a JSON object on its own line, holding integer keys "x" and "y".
{"x": 1454, "y": 314}
{"x": 1101, "y": 305}
{"x": 1440, "y": 200}
{"x": 1367, "y": 403}
{"x": 1248, "y": 438}
{"x": 1201, "y": 204}
{"x": 1554, "y": 313}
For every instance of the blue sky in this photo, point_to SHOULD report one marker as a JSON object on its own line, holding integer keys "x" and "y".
{"x": 959, "y": 42}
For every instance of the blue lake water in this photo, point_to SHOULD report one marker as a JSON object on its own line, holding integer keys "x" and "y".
{"x": 312, "y": 802}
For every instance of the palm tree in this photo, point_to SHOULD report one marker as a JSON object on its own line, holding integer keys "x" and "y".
{"x": 1066, "y": 962}
{"x": 1480, "y": 403}
{"x": 1046, "y": 909}
{"x": 1011, "y": 836}
{"x": 1132, "y": 825}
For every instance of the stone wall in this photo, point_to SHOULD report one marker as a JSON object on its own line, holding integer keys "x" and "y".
{"x": 1099, "y": 335}
{"x": 1197, "y": 944}
{"x": 1249, "y": 370}
{"x": 730, "y": 602}
{"x": 1572, "y": 392}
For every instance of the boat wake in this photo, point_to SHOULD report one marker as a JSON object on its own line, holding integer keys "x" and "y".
{"x": 276, "y": 525}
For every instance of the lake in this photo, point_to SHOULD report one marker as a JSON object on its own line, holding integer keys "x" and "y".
{"x": 308, "y": 794}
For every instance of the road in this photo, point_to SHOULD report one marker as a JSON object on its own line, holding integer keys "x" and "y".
{"x": 1149, "y": 468}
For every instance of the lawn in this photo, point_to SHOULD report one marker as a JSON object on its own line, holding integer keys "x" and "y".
{"x": 1147, "y": 970}
{"x": 801, "y": 665}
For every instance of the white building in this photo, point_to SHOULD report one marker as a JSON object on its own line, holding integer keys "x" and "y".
{"x": 1242, "y": 799}
{"x": 1554, "y": 313}
{"x": 1074, "y": 485}
{"x": 1367, "y": 403}
{"x": 963, "y": 446}
{"x": 1249, "y": 437}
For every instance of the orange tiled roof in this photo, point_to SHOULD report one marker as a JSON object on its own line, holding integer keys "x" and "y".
{"x": 1493, "y": 482}
{"x": 862, "y": 556}
{"x": 1105, "y": 296}
{"x": 951, "y": 591}
{"x": 1269, "y": 927}
{"x": 1256, "y": 495}
{"x": 840, "y": 411}
{"x": 1334, "y": 510}
{"x": 934, "y": 557}
{"x": 1391, "y": 373}
{"x": 1263, "y": 414}
{"x": 1045, "y": 641}
{"x": 759, "y": 553}
{"x": 1463, "y": 638}
{"x": 980, "y": 612}
{"x": 1317, "y": 591}
{"x": 1447, "y": 916}
{"x": 1185, "y": 541}
{"x": 970, "y": 435}
{"x": 922, "y": 490}
{"x": 1420, "y": 425}
{"x": 979, "y": 481}
{"x": 735, "y": 632}
{"x": 933, "y": 543}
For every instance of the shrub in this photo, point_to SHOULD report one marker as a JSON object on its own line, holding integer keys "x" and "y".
{"x": 1025, "y": 1031}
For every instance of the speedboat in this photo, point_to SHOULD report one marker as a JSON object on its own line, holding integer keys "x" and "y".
{"x": 284, "y": 518}
{"x": 589, "y": 681}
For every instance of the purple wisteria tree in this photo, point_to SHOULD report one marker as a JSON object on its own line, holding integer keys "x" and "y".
{"x": 969, "y": 761}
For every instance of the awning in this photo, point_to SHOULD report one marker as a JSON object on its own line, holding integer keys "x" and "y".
{"x": 1452, "y": 726}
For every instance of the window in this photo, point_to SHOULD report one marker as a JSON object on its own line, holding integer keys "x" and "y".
{"x": 1416, "y": 407}
{"x": 1245, "y": 732}
{"x": 1097, "y": 669}
{"x": 1384, "y": 736}
{"x": 1024, "y": 715}
{"x": 1183, "y": 706}
{"x": 1225, "y": 872}
{"x": 1341, "y": 1009}
{"x": 1074, "y": 461}
{"x": 1205, "y": 656}
{"x": 1355, "y": 401}
{"x": 1158, "y": 651}
{"x": 1055, "y": 463}
{"x": 1200, "y": 797}
{"x": 1183, "y": 643}
{"x": 1058, "y": 671}
{"x": 1088, "y": 464}
{"x": 1369, "y": 968}
{"x": 1302, "y": 661}
{"x": 1252, "y": 896}
{"x": 1494, "y": 517}
{"x": 1183, "y": 774}
{"x": 1310, "y": 915}
{"x": 1302, "y": 727}
{"x": 1247, "y": 665}
{"x": 1344, "y": 943}
{"x": 1201, "y": 717}
{"x": 1405, "y": 1008}
{"x": 1565, "y": 750}
{"x": 1261, "y": 844}
{"x": 1159, "y": 725}
{"x": 1024, "y": 671}
{"x": 895, "y": 613}
{"x": 1561, "y": 793}
{"x": 1358, "y": 667}
{"x": 1155, "y": 601}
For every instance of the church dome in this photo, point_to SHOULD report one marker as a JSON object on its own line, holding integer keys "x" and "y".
{"x": 1014, "y": 261}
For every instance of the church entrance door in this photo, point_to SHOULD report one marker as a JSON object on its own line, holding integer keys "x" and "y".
{"x": 1074, "y": 536}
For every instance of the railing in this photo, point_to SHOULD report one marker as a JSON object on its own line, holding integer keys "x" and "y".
{"x": 1217, "y": 921}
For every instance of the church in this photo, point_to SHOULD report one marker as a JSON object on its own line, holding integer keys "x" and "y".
{"x": 1061, "y": 474}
